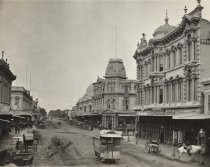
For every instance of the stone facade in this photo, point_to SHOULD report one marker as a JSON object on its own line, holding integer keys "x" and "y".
{"x": 114, "y": 94}
{"x": 21, "y": 99}
{"x": 170, "y": 69}
{"x": 6, "y": 78}
{"x": 84, "y": 104}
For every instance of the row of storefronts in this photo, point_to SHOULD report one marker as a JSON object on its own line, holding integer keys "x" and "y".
{"x": 170, "y": 100}
{"x": 172, "y": 82}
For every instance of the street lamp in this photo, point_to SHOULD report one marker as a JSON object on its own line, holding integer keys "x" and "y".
{"x": 202, "y": 135}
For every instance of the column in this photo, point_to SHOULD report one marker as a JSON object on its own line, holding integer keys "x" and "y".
{"x": 187, "y": 89}
{"x": 193, "y": 50}
{"x": 165, "y": 61}
{"x": 176, "y": 91}
{"x": 112, "y": 122}
{"x": 154, "y": 94}
{"x": 154, "y": 63}
{"x": 145, "y": 96}
{"x": 171, "y": 92}
{"x": 164, "y": 91}
{"x": 150, "y": 94}
{"x": 150, "y": 65}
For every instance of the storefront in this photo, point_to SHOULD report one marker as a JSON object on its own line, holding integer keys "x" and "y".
{"x": 174, "y": 129}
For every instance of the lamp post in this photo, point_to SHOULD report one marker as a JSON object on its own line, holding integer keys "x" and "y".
{"x": 202, "y": 143}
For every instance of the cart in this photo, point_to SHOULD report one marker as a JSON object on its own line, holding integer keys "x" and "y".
{"x": 153, "y": 147}
{"x": 28, "y": 142}
{"x": 22, "y": 158}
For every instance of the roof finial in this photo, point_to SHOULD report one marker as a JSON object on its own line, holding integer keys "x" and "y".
{"x": 166, "y": 19}
{"x": 199, "y": 1}
{"x": 185, "y": 9}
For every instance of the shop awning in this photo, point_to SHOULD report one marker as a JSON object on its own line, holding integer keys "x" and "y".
{"x": 6, "y": 121}
{"x": 5, "y": 113}
{"x": 17, "y": 116}
{"x": 192, "y": 116}
{"x": 22, "y": 113}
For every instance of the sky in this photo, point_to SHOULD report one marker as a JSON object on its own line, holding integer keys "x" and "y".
{"x": 65, "y": 45}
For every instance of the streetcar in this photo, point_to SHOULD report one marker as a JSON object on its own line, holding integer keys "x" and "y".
{"x": 107, "y": 145}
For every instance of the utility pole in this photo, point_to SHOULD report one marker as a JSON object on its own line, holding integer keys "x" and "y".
{"x": 116, "y": 44}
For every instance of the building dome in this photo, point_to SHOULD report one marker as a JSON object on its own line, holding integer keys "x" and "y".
{"x": 164, "y": 29}
{"x": 88, "y": 94}
{"x": 115, "y": 68}
{"x": 89, "y": 90}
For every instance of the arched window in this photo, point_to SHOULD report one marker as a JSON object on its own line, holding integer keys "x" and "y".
{"x": 189, "y": 51}
{"x": 113, "y": 104}
{"x": 161, "y": 63}
{"x": 161, "y": 96}
{"x": 108, "y": 103}
{"x": 189, "y": 90}
{"x": 174, "y": 58}
{"x": 180, "y": 56}
{"x": 169, "y": 60}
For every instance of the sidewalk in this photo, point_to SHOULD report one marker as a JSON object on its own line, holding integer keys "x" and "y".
{"x": 167, "y": 151}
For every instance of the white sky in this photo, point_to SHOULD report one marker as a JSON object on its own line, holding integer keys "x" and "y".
{"x": 67, "y": 44}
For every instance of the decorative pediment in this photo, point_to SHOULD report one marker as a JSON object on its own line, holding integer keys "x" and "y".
{"x": 108, "y": 111}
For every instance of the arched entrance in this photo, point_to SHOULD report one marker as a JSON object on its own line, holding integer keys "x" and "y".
{"x": 109, "y": 119}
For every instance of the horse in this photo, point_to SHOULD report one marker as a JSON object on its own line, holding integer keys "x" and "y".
{"x": 190, "y": 150}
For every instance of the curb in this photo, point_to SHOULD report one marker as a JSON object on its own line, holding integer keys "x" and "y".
{"x": 161, "y": 155}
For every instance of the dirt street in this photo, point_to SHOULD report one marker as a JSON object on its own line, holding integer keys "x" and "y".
{"x": 75, "y": 148}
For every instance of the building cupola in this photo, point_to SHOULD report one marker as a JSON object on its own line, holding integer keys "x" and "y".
{"x": 164, "y": 29}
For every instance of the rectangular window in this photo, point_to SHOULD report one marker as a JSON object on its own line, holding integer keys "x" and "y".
{"x": 161, "y": 63}
{"x": 173, "y": 92}
{"x": 189, "y": 51}
{"x": 174, "y": 55}
{"x": 167, "y": 99}
{"x": 161, "y": 96}
{"x": 189, "y": 90}
{"x": 169, "y": 61}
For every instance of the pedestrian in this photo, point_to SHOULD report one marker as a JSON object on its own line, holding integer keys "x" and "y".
{"x": 18, "y": 129}
{"x": 15, "y": 128}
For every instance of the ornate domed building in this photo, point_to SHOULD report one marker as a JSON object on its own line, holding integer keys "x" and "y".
{"x": 172, "y": 103}
{"x": 110, "y": 100}
{"x": 114, "y": 96}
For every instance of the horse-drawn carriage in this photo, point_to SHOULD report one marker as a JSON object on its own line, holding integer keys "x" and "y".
{"x": 152, "y": 146}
